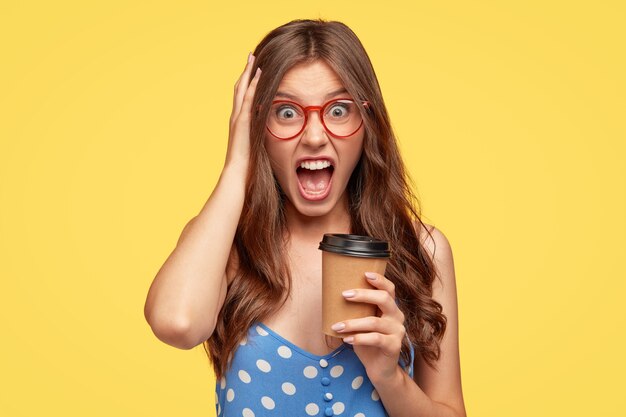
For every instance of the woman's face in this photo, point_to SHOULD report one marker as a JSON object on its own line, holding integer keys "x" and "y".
{"x": 300, "y": 164}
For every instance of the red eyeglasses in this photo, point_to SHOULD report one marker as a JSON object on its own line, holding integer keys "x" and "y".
{"x": 341, "y": 117}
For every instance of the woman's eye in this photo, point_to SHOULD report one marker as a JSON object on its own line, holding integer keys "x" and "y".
{"x": 339, "y": 110}
{"x": 286, "y": 112}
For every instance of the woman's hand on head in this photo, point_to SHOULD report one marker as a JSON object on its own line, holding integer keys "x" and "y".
{"x": 239, "y": 130}
{"x": 378, "y": 340}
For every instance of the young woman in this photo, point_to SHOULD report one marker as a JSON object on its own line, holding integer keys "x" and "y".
{"x": 311, "y": 151}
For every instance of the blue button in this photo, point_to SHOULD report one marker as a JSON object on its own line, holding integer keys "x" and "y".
{"x": 328, "y": 396}
{"x": 328, "y": 412}
{"x": 325, "y": 381}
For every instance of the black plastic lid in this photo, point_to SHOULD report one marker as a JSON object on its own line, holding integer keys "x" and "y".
{"x": 355, "y": 245}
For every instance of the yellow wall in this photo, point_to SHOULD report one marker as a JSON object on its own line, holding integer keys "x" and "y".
{"x": 113, "y": 129}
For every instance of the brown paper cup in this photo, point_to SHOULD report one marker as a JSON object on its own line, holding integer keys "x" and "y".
{"x": 344, "y": 271}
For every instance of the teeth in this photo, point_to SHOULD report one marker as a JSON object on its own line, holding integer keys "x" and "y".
{"x": 313, "y": 165}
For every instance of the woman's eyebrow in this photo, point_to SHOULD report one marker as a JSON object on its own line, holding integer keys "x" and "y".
{"x": 295, "y": 98}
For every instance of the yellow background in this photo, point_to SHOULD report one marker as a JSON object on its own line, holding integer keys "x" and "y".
{"x": 113, "y": 128}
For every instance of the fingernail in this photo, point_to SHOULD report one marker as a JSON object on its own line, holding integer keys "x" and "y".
{"x": 258, "y": 71}
{"x": 338, "y": 326}
{"x": 349, "y": 293}
{"x": 249, "y": 56}
{"x": 349, "y": 339}
{"x": 370, "y": 275}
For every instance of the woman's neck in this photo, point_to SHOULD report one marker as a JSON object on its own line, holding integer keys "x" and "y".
{"x": 303, "y": 227}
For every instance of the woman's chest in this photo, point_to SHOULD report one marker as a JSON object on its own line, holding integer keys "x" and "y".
{"x": 300, "y": 319}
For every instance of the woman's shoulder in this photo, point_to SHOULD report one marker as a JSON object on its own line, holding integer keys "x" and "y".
{"x": 431, "y": 238}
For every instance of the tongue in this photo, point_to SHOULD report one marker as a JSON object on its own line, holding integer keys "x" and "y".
{"x": 314, "y": 180}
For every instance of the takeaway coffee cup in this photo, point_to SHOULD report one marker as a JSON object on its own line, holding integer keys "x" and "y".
{"x": 345, "y": 259}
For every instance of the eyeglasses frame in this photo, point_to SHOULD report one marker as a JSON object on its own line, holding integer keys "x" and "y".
{"x": 320, "y": 109}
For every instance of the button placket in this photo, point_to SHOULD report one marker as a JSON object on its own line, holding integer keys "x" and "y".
{"x": 325, "y": 381}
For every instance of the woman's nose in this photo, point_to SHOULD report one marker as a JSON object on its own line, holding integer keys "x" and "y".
{"x": 314, "y": 132}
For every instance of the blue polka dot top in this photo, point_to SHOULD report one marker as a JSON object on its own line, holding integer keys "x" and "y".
{"x": 270, "y": 376}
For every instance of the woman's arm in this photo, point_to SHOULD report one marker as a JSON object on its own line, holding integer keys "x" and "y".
{"x": 188, "y": 292}
{"x": 432, "y": 393}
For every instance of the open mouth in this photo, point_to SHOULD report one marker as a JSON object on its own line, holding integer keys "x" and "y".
{"x": 315, "y": 178}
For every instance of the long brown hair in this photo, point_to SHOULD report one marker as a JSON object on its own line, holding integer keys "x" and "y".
{"x": 381, "y": 202}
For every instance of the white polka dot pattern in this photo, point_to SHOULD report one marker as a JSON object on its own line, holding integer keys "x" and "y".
{"x": 284, "y": 352}
{"x": 247, "y": 413}
{"x": 357, "y": 382}
{"x": 230, "y": 395}
{"x": 288, "y": 388}
{"x": 244, "y": 376}
{"x": 268, "y": 403}
{"x": 359, "y": 415}
{"x": 263, "y": 365}
{"x": 312, "y": 409}
{"x": 338, "y": 408}
{"x": 375, "y": 395}
{"x": 310, "y": 372}
{"x": 336, "y": 371}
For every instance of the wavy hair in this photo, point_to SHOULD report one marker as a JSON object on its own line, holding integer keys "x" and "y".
{"x": 381, "y": 201}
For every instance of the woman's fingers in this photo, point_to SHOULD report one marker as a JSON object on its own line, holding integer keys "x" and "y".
{"x": 371, "y": 324}
{"x": 244, "y": 114}
{"x": 383, "y": 299}
{"x": 389, "y": 345}
{"x": 241, "y": 86}
{"x": 386, "y": 332}
{"x": 239, "y": 134}
{"x": 381, "y": 282}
